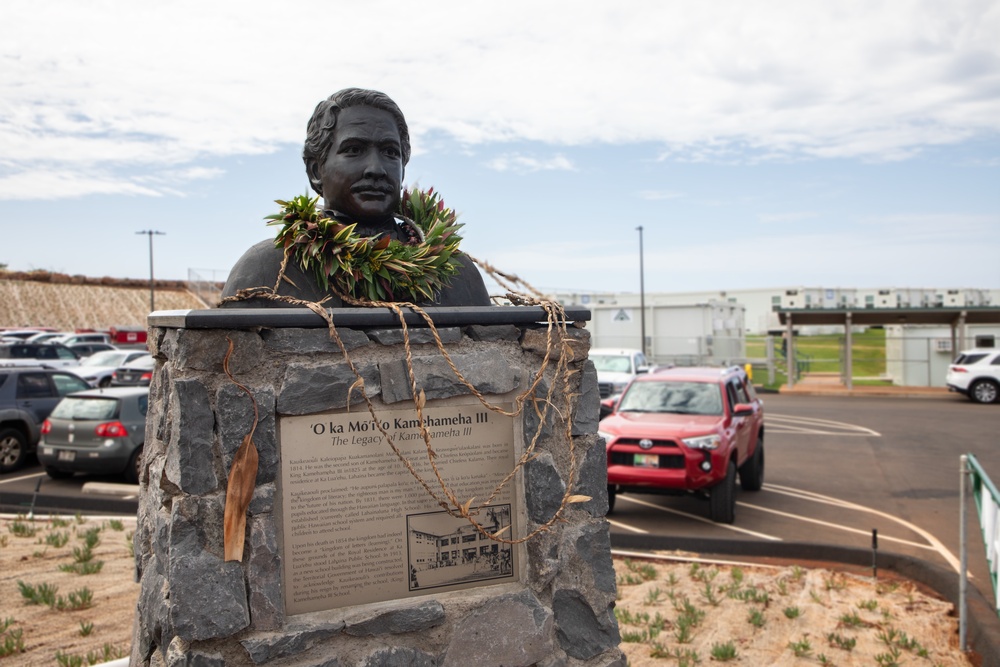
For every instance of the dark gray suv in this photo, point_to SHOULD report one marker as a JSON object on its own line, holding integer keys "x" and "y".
{"x": 27, "y": 396}
{"x": 49, "y": 355}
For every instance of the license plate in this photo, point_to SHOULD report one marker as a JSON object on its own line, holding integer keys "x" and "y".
{"x": 66, "y": 456}
{"x": 646, "y": 460}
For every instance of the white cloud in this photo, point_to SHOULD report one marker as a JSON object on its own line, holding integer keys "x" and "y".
{"x": 526, "y": 164}
{"x": 45, "y": 184}
{"x": 117, "y": 82}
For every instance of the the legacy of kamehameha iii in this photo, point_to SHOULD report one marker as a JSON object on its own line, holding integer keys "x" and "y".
{"x": 359, "y": 528}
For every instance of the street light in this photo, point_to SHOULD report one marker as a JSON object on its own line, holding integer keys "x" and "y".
{"x": 150, "y": 233}
{"x": 642, "y": 294}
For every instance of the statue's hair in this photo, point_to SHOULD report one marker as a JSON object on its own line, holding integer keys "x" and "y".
{"x": 319, "y": 132}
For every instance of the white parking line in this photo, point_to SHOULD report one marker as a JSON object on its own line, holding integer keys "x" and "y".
{"x": 702, "y": 519}
{"x": 811, "y": 425}
{"x": 15, "y": 479}
{"x": 838, "y": 526}
{"x": 625, "y": 526}
{"x": 935, "y": 543}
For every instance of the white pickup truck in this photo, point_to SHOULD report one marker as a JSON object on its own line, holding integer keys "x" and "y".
{"x": 616, "y": 367}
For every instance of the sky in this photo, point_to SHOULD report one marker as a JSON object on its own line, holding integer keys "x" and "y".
{"x": 758, "y": 143}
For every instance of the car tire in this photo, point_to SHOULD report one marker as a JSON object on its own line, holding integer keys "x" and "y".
{"x": 752, "y": 470}
{"x": 56, "y": 473}
{"x": 612, "y": 494}
{"x": 132, "y": 470}
{"x": 13, "y": 449}
{"x": 722, "y": 498}
{"x": 984, "y": 391}
{"x": 105, "y": 382}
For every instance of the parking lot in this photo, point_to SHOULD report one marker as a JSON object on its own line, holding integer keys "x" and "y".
{"x": 838, "y": 467}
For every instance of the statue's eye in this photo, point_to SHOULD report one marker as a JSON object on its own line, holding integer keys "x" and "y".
{"x": 391, "y": 151}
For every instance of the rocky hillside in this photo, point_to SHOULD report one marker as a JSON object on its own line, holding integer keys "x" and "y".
{"x": 43, "y": 299}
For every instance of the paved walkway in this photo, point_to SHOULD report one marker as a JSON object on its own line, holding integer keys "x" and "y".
{"x": 830, "y": 384}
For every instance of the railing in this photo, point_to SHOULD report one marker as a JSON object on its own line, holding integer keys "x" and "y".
{"x": 987, "y": 500}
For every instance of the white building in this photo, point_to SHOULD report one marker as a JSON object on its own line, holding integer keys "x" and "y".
{"x": 700, "y": 333}
{"x": 759, "y": 304}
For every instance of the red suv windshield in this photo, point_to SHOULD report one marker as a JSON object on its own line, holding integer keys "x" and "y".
{"x": 685, "y": 398}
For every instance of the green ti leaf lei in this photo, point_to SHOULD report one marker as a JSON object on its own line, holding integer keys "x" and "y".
{"x": 376, "y": 269}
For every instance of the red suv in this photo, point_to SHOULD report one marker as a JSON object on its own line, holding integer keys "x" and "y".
{"x": 687, "y": 430}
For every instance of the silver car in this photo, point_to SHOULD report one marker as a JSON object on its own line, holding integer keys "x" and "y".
{"x": 96, "y": 431}
{"x": 98, "y": 367}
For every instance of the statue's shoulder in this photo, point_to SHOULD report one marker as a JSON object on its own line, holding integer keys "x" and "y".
{"x": 466, "y": 288}
{"x": 258, "y": 266}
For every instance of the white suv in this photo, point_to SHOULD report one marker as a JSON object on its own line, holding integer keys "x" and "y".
{"x": 976, "y": 373}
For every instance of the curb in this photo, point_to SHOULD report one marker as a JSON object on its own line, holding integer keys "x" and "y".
{"x": 983, "y": 623}
{"x": 112, "y": 489}
{"x": 857, "y": 392}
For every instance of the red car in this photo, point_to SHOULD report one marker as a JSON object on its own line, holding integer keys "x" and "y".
{"x": 687, "y": 430}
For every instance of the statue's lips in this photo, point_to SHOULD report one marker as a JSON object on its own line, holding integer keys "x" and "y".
{"x": 370, "y": 192}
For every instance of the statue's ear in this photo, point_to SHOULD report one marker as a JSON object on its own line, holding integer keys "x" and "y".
{"x": 312, "y": 171}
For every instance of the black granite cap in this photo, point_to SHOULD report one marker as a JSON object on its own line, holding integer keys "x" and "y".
{"x": 245, "y": 318}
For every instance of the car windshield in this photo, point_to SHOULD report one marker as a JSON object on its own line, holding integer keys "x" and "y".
{"x": 611, "y": 363}
{"x": 685, "y": 398}
{"x": 106, "y": 358}
{"x": 144, "y": 363}
{"x": 86, "y": 408}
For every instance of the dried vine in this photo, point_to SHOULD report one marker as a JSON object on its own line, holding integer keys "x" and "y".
{"x": 242, "y": 479}
{"x": 558, "y": 353}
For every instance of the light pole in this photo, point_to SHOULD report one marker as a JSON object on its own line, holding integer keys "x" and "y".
{"x": 642, "y": 294}
{"x": 150, "y": 233}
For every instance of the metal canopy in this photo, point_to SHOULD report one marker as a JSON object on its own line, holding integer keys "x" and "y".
{"x": 885, "y": 316}
{"x": 955, "y": 317}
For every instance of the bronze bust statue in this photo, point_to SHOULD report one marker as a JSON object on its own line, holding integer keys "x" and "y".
{"x": 357, "y": 147}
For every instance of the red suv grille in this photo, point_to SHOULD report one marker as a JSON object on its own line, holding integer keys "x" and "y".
{"x": 671, "y": 444}
{"x": 674, "y": 461}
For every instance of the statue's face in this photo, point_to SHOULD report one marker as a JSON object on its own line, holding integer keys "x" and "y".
{"x": 363, "y": 171}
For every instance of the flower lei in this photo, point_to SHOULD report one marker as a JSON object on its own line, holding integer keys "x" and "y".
{"x": 373, "y": 268}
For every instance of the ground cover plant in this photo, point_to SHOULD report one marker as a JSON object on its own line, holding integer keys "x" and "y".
{"x": 687, "y": 614}
{"x": 67, "y": 591}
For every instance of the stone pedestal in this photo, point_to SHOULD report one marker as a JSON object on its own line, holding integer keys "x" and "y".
{"x": 196, "y": 609}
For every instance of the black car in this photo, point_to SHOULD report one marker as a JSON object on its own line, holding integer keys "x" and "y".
{"x": 27, "y": 396}
{"x": 138, "y": 372}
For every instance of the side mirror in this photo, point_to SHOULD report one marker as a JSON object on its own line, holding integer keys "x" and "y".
{"x": 609, "y": 405}
{"x": 642, "y": 369}
{"x": 742, "y": 410}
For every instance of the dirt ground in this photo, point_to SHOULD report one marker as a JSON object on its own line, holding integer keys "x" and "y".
{"x": 670, "y": 613}
{"x": 31, "y": 552}
{"x": 688, "y": 613}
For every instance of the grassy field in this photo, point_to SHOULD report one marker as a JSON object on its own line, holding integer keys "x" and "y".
{"x": 824, "y": 354}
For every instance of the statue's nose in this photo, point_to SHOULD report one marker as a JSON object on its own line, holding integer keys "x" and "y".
{"x": 374, "y": 165}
